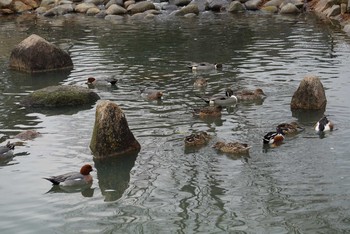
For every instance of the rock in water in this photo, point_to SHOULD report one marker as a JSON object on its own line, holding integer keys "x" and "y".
{"x": 111, "y": 135}
{"x": 35, "y": 54}
{"x": 60, "y": 96}
{"x": 310, "y": 95}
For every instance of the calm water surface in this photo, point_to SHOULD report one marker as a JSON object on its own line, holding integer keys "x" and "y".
{"x": 300, "y": 187}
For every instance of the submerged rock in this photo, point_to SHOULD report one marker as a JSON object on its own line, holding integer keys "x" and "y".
{"x": 310, "y": 95}
{"x": 35, "y": 54}
{"x": 111, "y": 135}
{"x": 59, "y": 96}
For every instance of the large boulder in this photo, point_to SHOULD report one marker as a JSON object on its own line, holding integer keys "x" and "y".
{"x": 310, "y": 95}
{"x": 111, "y": 135}
{"x": 60, "y": 96}
{"x": 35, "y": 54}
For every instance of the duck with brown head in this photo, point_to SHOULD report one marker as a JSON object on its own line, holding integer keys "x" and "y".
{"x": 81, "y": 178}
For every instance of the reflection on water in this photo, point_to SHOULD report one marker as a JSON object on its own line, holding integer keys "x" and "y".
{"x": 299, "y": 186}
{"x": 114, "y": 175}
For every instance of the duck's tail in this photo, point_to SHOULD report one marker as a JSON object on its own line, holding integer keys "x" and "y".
{"x": 52, "y": 180}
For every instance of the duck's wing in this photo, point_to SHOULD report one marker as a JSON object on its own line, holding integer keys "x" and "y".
{"x": 56, "y": 180}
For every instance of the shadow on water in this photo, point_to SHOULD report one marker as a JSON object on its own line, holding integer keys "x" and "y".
{"x": 308, "y": 117}
{"x": 86, "y": 191}
{"x": 114, "y": 175}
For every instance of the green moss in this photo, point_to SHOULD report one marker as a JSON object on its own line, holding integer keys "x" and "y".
{"x": 57, "y": 96}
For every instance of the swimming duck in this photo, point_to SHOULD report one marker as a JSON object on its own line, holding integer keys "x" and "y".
{"x": 81, "y": 178}
{"x": 289, "y": 128}
{"x": 324, "y": 125}
{"x": 200, "y": 83}
{"x": 7, "y": 150}
{"x": 274, "y": 137}
{"x": 197, "y": 139}
{"x": 232, "y": 147}
{"x": 93, "y": 81}
{"x": 151, "y": 94}
{"x": 204, "y": 66}
{"x": 222, "y": 100}
{"x": 208, "y": 111}
{"x": 249, "y": 95}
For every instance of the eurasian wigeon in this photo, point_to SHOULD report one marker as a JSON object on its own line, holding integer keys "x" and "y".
{"x": 7, "y": 150}
{"x": 232, "y": 147}
{"x": 324, "y": 124}
{"x": 91, "y": 81}
{"x": 81, "y": 178}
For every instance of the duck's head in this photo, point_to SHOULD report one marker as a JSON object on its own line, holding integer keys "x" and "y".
{"x": 259, "y": 92}
{"x": 218, "y": 66}
{"x": 90, "y": 81}
{"x": 11, "y": 146}
{"x": 86, "y": 169}
{"x": 229, "y": 92}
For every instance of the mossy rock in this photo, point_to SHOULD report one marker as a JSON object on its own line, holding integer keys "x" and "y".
{"x": 60, "y": 96}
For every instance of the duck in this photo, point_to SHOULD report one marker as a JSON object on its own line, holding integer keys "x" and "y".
{"x": 222, "y": 100}
{"x": 81, "y": 178}
{"x": 205, "y": 66}
{"x": 323, "y": 125}
{"x": 232, "y": 147}
{"x": 274, "y": 137}
{"x": 151, "y": 94}
{"x": 7, "y": 150}
{"x": 249, "y": 95}
{"x": 91, "y": 81}
{"x": 200, "y": 83}
{"x": 289, "y": 128}
{"x": 197, "y": 139}
{"x": 208, "y": 111}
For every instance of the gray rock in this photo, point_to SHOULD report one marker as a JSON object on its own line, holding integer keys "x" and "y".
{"x": 35, "y": 54}
{"x": 191, "y": 8}
{"x": 111, "y": 134}
{"x": 346, "y": 28}
{"x": 5, "y": 3}
{"x": 289, "y": 8}
{"x": 83, "y": 7}
{"x": 202, "y": 5}
{"x": 115, "y": 9}
{"x": 275, "y": 3}
{"x": 140, "y": 7}
{"x": 310, "y": 95}
{"x": 333, "y": 11}
{"x": 59, "y": 10}
{"x": 236, "y": 6}
{"x": 253, "y": 5}
{"x": 60, "y": 96}
{"x": 181, "y": 3}
{"x": 217, "y": 5}
{"x": 93, "y": 11}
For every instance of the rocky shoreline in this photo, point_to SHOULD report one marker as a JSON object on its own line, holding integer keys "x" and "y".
{"x": 121, "y": 9}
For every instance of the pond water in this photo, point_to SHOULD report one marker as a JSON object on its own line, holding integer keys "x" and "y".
{"x": 301, "y": 186}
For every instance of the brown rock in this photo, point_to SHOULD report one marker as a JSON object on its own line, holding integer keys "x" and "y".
{"x": 310, "y": 95}
{"x": 35, "y": 54}
{"x": 111, "y": 135}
